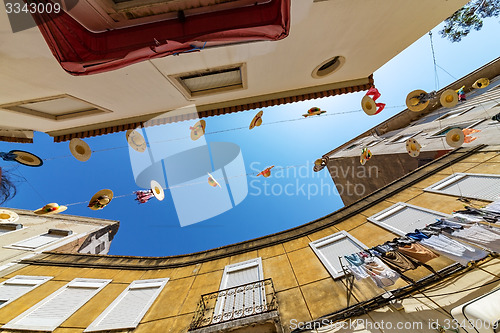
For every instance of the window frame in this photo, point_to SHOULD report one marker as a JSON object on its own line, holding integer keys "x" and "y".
{"x": 375, "y": 218}
{"x": 457, "y": 176}
{"x": 13, "y": 230}
{"x": 328, "y": 240}
{"x": 436, "y": 135}
{"x": 75, "y": 283}
{"x": 160, "y": 283}
{"x": 400, "y": 135}
{"x": 454, "y": 113}
{"x": 16, "y": 245}
{"x": 42, "y": 279}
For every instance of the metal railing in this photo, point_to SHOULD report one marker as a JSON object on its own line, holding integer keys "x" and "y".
{"x": 234, "y": 303}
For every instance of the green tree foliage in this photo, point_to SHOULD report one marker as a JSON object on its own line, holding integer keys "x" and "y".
{"x": 469, "y": 17}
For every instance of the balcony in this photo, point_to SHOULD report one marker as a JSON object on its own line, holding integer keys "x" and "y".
{"x": 252, "y": 307}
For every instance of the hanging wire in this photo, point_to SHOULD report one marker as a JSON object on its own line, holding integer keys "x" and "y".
{"x": 220, "y": 131}
{"x": 436, "y": 78}
{"x": 196, "y": 183}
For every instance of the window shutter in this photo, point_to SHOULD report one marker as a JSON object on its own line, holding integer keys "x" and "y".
{"x": 235, "y": 300}
{"x": 475, "y": 186}
{"x": 130, "y": 307}
{"x": 19, "y": 285}
{"x": 38, "y": 241}
{"x": 403, "y": 218}
{"x": 330, "y": 248}
{"x": 55, "y": 309}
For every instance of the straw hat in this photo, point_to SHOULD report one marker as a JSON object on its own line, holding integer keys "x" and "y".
{"x": 368, "y": 105}
{"x": 8, "y": 216}
{"x": 157, "y": 190}
{"x": 257, "y": 120}
{"x": 455, "y": 138}
{"x": 79, "y": 149}
{"x": 481, "y": 83}
{"x": 366, "y": 154}
{"x": 198, "y": 130}
{"x": 136, "y": 141}
{"x": 49, "y": 209}
{"x": 26, "y": 158}
{"x": 412, "y": 101}
{"x": 413, "y": 147}
{"x": 314, "y": 111}
{"x": 449, "y": 98}
{"x": 266, "y": 172}
{"x": 101, "y": 199}
{"x": 212, "y": 181}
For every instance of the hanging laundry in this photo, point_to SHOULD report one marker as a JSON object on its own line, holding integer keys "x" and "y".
{"x": 418, "y": 252}
{"x": 363, "y": 265}
{"x": 453, "y": 249}
{"x": 143, "y": 196}
{"x": 481, "y": 236}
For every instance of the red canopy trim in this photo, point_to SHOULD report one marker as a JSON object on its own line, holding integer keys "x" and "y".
{"x": 83, "y": 52}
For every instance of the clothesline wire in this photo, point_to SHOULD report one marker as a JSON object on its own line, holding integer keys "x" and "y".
{"x": 223, "y": 131}
{"x": 196, "y": 183}
{"x": 436, "y": 77}
{"x": 455, "y": 292}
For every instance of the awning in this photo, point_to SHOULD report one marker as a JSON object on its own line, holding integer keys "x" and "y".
{"x": 83, "y": 52}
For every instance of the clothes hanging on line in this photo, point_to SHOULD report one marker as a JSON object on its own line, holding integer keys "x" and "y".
{"x": 417, "y": 251}
{"x": 481, "y": 236}
{"x": 453, "y": 249}
{"x": 363, "y": 265}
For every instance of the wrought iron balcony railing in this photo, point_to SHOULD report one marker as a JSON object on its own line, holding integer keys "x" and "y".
{"x": 234, "y": 303}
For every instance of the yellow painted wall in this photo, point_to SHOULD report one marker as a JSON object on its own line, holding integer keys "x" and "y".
{"x": 305, "y": 290}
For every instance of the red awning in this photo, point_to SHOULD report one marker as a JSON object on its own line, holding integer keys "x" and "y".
{"x": 82, "y": 52}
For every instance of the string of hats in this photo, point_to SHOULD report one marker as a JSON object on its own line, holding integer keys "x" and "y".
{"x": 416, "y": 101}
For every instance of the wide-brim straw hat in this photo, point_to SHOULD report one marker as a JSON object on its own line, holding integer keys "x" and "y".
{"x": 195, "y": 135}
{"x": 412, "y": 101}
{"x": 368, "y": 105}
{"x": 157, "y": 190}
{"x": 212, "y": 181}
{"x": 481, "y": 83}
{"x": 257, "y": 120}
{"x": 455, "y": 138}
{"x": 49, "y": 209}
{"x": 8, "y": 216}
{"x": 136, "y": 141}
{"x": 449, "y": 98}
{"x": 26, "y": 158}
{"x": 101, "y": 193}
{"x": 80, "y": 149}
{"x": 413, "y": 147}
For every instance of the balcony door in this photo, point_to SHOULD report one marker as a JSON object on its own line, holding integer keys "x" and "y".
{"x": 241, "y": 292}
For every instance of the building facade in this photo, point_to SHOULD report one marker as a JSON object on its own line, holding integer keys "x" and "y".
{"x": 24, "y": 234}
{"x": 387, "y": 140}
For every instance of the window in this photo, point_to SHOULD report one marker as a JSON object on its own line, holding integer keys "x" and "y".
{"x": 403, "y": 137}
{"x": 52, "y": 311}
{"x": 99, "y": 248}
{"x": 39, "y": 241}
{"x": 469, "y": 185}
{"x": 8, "y": 227}
{"x": 403, "y": 218}
{"x": 372, "y": 143}
{"x": 444, "y": 131}
{"x": 235, "y": 301}
{"x": 330, "y": 248}
{"x": 19, "y": 285}
{"x": 129, "y": 308}
{"x": 351, "y": 146}
{"x": 210, "y": 81}
{"x": 60, "y": 107}
{"x": 454, "y": 113}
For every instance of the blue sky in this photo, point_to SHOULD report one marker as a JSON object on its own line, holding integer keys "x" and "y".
{"x": 153, "y": 229}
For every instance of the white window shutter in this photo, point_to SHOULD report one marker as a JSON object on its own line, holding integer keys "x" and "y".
{"x": 38, "y": 241}
{"x": 403, "y": 218}
{"x": 469, "y": 185}
{"x": 19, "y": 285}
{"x": 129, "y": 308}
{"x": 330, "y": 248}
{"x": 236, "y": 301}
{"x": 48, "y": 314}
